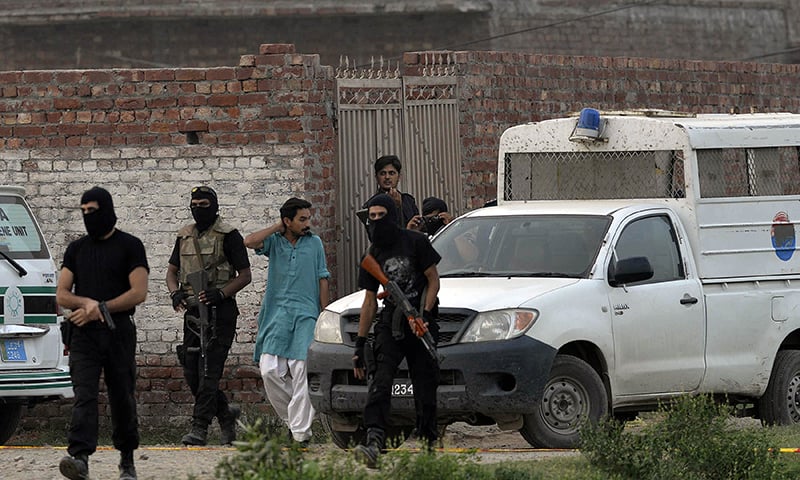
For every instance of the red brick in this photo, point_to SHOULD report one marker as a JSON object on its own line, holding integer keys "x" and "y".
{"x": 10, "y": 77}
{"x": 66, "y": 103}
{"x": 221, "y": 73}
{"x": 37, "y": 77}
{"x": 270, "y": 60}
{"x": 223, "y": 127}
{"x": 159, "y": 75}
{"x": 184, "y": 74}
{"x": 193, "y": 126}
{"x": 286, "y": 125}
{"x": 72, "y": 129}
{"x": 130, "y": 103}
{"x": 161, "y": 102}
{"x": 223, "y": 100}
{"x": 27, "y": 131}
{"x": 128, "y": 128}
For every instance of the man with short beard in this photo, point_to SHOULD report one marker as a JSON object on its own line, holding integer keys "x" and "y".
{"x": 213, "y": 246}
{"x": 297, "y": 290}
{"x": 104, "y": 270}
{"x": 408, "y": 259}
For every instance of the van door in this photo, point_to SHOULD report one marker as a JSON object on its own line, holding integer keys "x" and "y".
{"x": 658, "y": 323}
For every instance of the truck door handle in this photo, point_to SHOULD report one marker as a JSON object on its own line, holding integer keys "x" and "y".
{"x": 687, "y": 300}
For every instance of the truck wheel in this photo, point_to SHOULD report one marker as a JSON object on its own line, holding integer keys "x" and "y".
{"x": 780, "y": 404}
{"x": 573, "y": 394}
{"x": 340, "y": 438}
{"x": 395, "y": 436}
{"x": 9, "y": 419}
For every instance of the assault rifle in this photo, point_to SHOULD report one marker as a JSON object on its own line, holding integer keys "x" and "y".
{"x": 411, "y": 314}
{"x": 199, "y": 282}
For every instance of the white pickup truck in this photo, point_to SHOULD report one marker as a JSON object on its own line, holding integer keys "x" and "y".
{"x": 632, "y": 257}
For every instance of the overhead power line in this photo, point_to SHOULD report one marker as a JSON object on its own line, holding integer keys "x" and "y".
{"x": 553, "y": 24}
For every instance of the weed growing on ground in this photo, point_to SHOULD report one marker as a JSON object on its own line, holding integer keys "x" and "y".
{"x": 694, "y": 440}
{"x": 265, "y": 452}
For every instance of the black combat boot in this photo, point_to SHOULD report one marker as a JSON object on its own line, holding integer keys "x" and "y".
{"x": 126, "y": 469}
{"x": 369, "y": 452}
{"x": 198, "y": 436}
{"x": 75, "y": 467}
{"x": 227, "y": 425}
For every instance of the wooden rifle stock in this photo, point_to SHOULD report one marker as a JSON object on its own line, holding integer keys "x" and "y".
{"x": 416, "y": 322}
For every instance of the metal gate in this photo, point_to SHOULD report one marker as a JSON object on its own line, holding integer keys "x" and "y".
{"x": 379, "y": 113}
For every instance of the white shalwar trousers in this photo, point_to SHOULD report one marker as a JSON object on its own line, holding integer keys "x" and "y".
{"x": 287, "y": 391}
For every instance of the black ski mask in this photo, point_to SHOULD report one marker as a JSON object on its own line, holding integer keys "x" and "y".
{"x": 383, "y": 232}
{"x": 204, "y": 217}
{"x": 100, "y": 222}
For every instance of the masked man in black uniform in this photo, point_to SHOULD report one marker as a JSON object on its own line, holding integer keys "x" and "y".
{"x": 105, "y": 270}
{"x": 408, "y": 259}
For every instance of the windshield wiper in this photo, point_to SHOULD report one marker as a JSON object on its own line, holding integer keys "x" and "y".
{"x": 544, "y": 274}
{"x": 462, "y": 274}
{"x": 20, "y": 269}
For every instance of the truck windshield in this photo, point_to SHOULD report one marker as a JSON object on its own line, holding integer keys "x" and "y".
{"x": 528, "y": 246}
{"x": 20, "y": 238}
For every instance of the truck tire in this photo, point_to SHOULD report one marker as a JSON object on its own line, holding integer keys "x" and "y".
{"x": 340, "y": 438}
{"x": 780, "y": 404}
{"x": 10, "y": 413}
{"x": 573, "y": 394}
{"x": 395, "y": 435}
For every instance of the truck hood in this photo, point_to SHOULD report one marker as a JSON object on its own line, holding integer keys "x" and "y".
{"x": 481, "y": 294}
{"x": 485, "y": 294}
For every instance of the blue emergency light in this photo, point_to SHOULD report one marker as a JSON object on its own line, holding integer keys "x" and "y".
{"x": 588, "y": 127}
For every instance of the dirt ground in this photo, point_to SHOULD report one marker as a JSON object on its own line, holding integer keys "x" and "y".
{"x": 180, "y": 463}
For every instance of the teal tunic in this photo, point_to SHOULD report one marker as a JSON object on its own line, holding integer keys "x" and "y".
{"x": 291, "y": 302}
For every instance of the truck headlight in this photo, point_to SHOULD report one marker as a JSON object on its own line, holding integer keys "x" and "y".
{"x": 499, "y": 325}
{"x": 329, "y": 328}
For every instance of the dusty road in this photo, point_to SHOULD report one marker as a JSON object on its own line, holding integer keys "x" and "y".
{"x": 179, "y": 463}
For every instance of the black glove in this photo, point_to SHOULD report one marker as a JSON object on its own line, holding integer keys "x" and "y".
{"x": 214, "y": 296}
{"x": 358, "y": 354}
{"x": 433, "y": 325}
{"x": 178, "y": 296}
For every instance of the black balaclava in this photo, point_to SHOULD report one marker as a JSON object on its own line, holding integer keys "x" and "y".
{"x": 383, "y": 232}
{"x": 102, "y": 221}
{"x": 204, "y": 217}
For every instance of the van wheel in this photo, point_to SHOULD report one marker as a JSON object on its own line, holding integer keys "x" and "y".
{"x": 10, "y": 414}
{"x": 573, "y": 394}
{"x": 780, "y": 404}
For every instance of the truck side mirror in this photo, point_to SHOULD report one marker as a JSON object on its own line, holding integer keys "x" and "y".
{"x": 629, "y": 270}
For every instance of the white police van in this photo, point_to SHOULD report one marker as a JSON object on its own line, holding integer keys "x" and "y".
{"x": 33, "y": 361}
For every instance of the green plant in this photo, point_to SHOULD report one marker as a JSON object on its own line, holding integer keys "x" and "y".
{"x": 694, "y": 440}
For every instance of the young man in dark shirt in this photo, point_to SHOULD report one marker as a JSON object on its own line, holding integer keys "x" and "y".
{"x": 407, "y": 258}
{"x": 387, "y": 175}
{"x": 104, "y": 270}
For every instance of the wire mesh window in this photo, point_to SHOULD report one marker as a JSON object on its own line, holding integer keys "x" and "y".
{"x": 594, "y": 175}
{"x": 749, "y": 172}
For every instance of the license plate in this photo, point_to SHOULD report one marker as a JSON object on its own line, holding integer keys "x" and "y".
{"x": 402, "y": 387}
{"x": 14, "y": 351}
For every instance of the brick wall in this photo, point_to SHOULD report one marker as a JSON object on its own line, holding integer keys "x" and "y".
{"x": 258, "y": 133}
{"x": 264, "y": 131}
{"x": 501, "y": 89}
